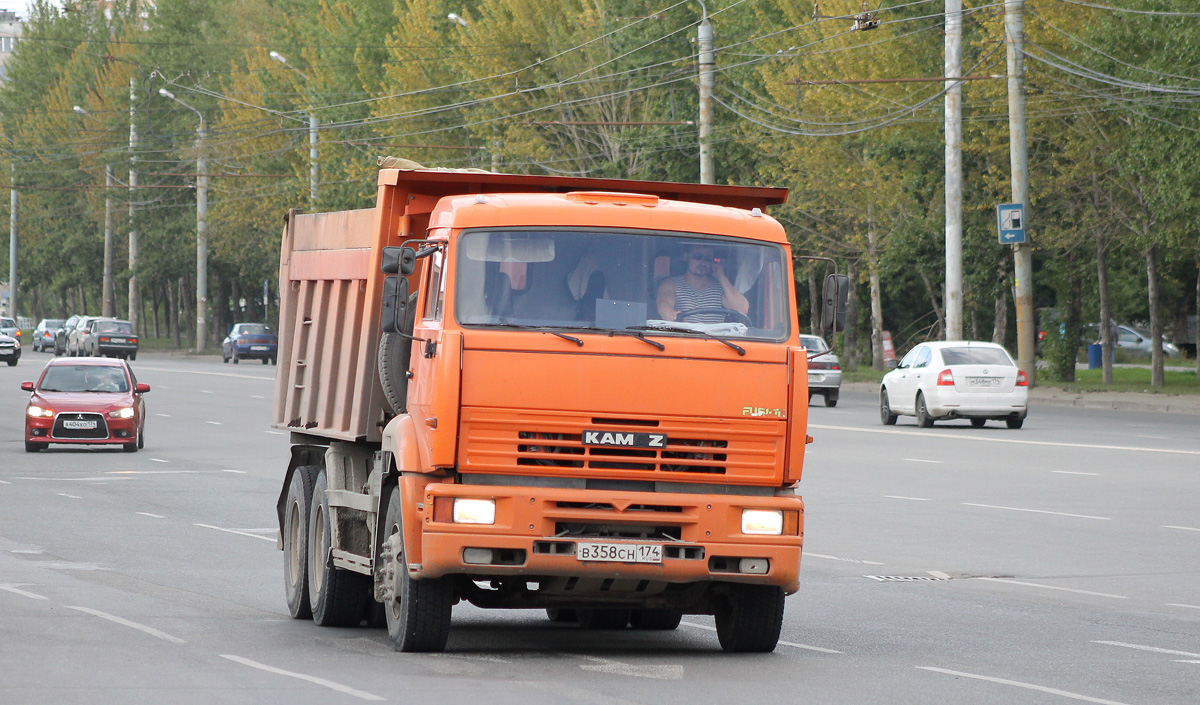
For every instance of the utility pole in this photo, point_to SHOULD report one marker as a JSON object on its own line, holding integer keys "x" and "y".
{"x": 1014, "y": 25}
{"x": 954, "y": 179}
{"x": 12, "y": 244}
{"x": 201, "y": 226}
{"x": 705, "y": 44}
{"x": 109, "y": 179}
{"x": 135, "y": 306}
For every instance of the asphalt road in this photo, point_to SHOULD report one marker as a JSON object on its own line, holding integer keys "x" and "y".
{"x": 1055, "y": 563}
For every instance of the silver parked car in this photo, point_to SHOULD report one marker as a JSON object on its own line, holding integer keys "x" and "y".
{"x": 824, "y": 370}
{"x": 1137, "y": 342}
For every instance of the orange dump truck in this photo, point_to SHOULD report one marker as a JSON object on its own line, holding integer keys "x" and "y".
{"x": 586, "y": 396}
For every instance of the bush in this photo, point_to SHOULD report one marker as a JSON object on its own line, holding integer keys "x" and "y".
{"x": 1060, "y": 353}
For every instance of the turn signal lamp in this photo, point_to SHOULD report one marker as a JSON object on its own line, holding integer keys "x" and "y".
{"x": 945, "y": 378}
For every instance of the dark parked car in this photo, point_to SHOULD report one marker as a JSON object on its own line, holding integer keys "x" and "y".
{"x": 63, "y": 333}
{"x": 10, "y": 349}
{"x": 43, "y": 335}
{"x": 88, "y": 402}
{"x": 250, "y": 341}
{"x": 75, "y": 336}
{"x": 109, "y": 337}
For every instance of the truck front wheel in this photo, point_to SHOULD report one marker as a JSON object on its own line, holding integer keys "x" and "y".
{"x": 337, "y": 596}
{"x": 750, "y": 618}
{"x": 417, "y": 611}
{"x": 295, "y": 542}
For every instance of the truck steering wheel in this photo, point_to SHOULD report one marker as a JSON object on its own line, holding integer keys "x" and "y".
{"x": 737, "y": 316}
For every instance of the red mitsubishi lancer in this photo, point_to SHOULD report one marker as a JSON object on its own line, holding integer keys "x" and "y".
{"x": 87, "y": 401}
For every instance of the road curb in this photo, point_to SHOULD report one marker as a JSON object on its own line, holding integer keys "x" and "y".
{"x": 1110, "y": 401}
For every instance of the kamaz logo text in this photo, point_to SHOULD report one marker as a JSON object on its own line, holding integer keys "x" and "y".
{"x": 634, "y": 440}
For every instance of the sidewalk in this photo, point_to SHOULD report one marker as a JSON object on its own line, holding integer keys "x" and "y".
{"x": 1122, "y": 401}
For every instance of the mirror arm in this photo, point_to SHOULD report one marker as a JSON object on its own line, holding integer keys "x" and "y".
{"x": 430, "y": 344}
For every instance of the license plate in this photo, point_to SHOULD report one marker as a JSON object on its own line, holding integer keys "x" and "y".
{"x": 117, "y": 340}
{"x": 983, "y": 382}
{"x": 624, "y": 440}
{"x": 258, "y": 347}
{"x": 815, "y": 378}
{"x": 619, "y": 552}
{"x": 77, "y": 425}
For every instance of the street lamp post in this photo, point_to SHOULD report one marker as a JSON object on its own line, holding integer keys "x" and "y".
{"x": 313, "y": 173}
{"x": 107, "y": 296}
{"x": 201, "y": 227}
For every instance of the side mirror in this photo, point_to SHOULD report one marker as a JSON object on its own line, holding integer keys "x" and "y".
{"x": 27, "y": 386}
{"x": 395, "y": 304}
{"x": 833, "y": 302}
{"x": 141, "y": 388}
{"x": 399, "y": 260}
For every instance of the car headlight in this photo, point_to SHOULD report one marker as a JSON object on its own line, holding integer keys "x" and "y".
{"x": 474, "y": 511}
{"x": 767, "y": 522}
{"x": 123, "y": 413}
{"x": 37, "y": 411}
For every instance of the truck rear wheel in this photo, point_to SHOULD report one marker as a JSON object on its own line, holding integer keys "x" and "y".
{"x": 751, "y": 618}
{"x": 337, "y": 596}
{"x": 417, "y": 611}
{"x": 662, "y": 619}
{"x": 295, "y": 542}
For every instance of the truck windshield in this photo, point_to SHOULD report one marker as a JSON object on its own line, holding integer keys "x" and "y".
{"x": 622, "y": 280}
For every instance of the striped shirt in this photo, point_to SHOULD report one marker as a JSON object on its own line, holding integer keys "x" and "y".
{"x": 687, "y": 298}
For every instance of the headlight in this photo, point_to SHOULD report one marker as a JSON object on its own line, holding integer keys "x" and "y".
{"x": 762, "y": 521}
{"x": 474, "y": 511}
{"x": 37, "y": 411}
{"x": 125, "y": 413}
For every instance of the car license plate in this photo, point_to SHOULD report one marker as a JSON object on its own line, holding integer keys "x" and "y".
{"x": 77, "y": 425}
{"x": 258, "y": 347}
{"x": 983, "y": 382}
{"x": 118, "y": 340}
{"x": 619, "y": 552}
{"x": 815, "y": 378}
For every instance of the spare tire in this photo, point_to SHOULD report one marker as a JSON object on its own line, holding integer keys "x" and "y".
{"x": 395, "y": 351}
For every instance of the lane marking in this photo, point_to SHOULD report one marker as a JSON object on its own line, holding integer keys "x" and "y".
{"x": 311, "y": 679}
{"x": 986, "y": 439}
{"x": 1019, "y": 684}
{"x": 938, "y": 574}
{"x": 922, "y": 460}
{"x": 215, "y": 423}
{"x": 1035, "y": 511}
{"x": 165, "y": 416}
{"x": 1153, "y": 438}
{"x": 1183, "y": 528}
{"x": 5, "y": 482}
{"x": 160, "y": 460}
{"x": 844, "y": 560}
{"x": 126, "y": 623}
{"x": 1176, "y": 604}
{"x": 660, "y": 672}
{"x": 1152, "y": 649}
{"x": 152, "y": 516}
{"x": 1069, "y": 472}
{"x": 794, "y": 645}
{"x": 257, "y": 396}
{"x": 73, "y": 479}
{"x": 277, "y": 433}
{"x": 207, "y": 391}
{"x": 199, "y": 372}
{"x": 152, "y": 472}
{"x": 17, "y": 591}
{"x": 1055, "y": 587}
{"x": 72, "y": 496}
{"x": 239, "y": 472}
{"x": 915, "y": 499}
{"x": 1187, "y": 661}
{"x": 239, "y": 533}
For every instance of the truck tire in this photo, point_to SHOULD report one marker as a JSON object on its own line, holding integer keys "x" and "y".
{"x": 603, "y": 618}
{"x": 659, "y": 619}
{"x": 418, "y": 611}
{"x": 395, "y": 352}
{"x": 337, "y": 596}
{"x": 295, "y": 542}
{"x": 751, "y": 619}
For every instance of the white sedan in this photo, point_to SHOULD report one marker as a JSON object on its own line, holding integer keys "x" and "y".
{"x": 955, "y": 380}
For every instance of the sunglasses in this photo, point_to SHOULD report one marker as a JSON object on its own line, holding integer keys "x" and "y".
{"x": 701, "y": 258}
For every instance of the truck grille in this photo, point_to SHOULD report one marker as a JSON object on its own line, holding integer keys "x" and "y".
{"x": 496, "y": 441}
{"x": 61, "y": 431}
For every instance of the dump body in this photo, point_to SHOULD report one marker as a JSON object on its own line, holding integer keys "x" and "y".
{"x": 566, "y": 416}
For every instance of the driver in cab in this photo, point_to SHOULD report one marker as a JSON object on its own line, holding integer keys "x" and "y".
{"x": 702, "y": 286}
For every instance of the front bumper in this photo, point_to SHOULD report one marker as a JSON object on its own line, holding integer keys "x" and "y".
{"x": 537, "y": 530}
{"x": 117, "y": 431}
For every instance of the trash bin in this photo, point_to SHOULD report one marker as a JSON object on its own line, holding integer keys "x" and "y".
{"x": 1095, "y": 356}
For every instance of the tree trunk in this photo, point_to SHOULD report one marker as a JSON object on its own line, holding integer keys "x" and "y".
{"x": 1106, "y": 319}
{"x": 933, "y": 301}
{"x": 1000, "y": 318}
{"x": 1196, "y": 336}
{"x": 173, "y": 312}
{"x": 1156, "y": 351}
{"x": 876, "y": 294}
{"x": 850, "y": 336}
{"x": 1071, "y": 320}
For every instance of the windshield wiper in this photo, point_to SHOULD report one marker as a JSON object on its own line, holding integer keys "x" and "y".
{"x": 541, "y": 329}
{"x": 674, "y": 329}
{"x": 630, "y": 333}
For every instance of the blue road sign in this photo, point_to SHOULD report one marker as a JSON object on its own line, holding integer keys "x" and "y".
{"x": 1010, "y": 218}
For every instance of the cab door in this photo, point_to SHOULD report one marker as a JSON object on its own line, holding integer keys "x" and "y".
{"x": 435, "y": 369}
